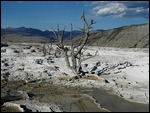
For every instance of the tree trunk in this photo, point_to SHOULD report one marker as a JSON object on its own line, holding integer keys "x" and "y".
{"x": 67, "y": 59}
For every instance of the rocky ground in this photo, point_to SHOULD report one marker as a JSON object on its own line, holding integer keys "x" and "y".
{"x": 124, "y": 72}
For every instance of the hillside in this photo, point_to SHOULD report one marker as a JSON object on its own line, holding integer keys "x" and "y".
{"x": 19, "y": 38}
{"x": 127, "y": 36}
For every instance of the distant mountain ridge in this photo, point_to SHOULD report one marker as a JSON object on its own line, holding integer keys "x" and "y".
{"x": 125, "y": 36}
{"x": 35, "y": 32}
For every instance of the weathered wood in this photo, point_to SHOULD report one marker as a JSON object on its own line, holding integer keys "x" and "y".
{"x": 75, "y": 55}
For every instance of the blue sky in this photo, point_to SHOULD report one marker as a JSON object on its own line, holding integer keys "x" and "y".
{"x": 46, "y": 14}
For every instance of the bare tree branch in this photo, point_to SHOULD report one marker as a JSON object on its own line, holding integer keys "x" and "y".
{"x": 76, "y": 50}
{"x": 87, "y": 27}
{"x": 54, "y": 32}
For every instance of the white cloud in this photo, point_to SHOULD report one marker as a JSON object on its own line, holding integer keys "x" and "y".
{"x": 110, "y": 9}
{"x": 121, "y": 8}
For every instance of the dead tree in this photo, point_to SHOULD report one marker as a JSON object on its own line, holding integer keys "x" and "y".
{"x": 76, "y": 49}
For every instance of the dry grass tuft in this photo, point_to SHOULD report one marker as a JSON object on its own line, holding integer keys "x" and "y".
{"x": 63, "y": 78}
{"x": 93, "y": 76}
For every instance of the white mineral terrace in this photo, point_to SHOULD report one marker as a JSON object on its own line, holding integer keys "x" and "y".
{"x": 125, "y": 71}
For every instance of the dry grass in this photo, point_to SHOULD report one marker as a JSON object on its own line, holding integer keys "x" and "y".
{"x": 63, "y": 78}
{"x": 93, "y": 76}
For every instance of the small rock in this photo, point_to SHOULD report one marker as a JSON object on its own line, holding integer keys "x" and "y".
{"x": 121, "y": 95}
{"x": 3, "y": 50}
{"x": 92, "y": 72}
{"x": 106, "y": 81}
{"x": 32, "y": 51}
{"x": 98, "y": 63}
{"x": 85, "y": 65}
{"x": 56, "y": 67}
{"x": 94, "y": 68}
{"x": 114, "y": 80}
{"x": 76, "y": 77}
{"x": 28, "y": 47}
{"x": 39, "y": 61}
{"x": 124, "y": 77}
{"x": 6, "y": 75}
{"x": 21, "y": 69}
{"x": 49, "y": 74}
{"x": 52, "y": 62}
{"x": 117, "y": 72}
{"x": 6, "y": 64}
{"x": 65, "y": 74}
{"x": 45, "y": 71}
{"x": 16, "y": 51}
